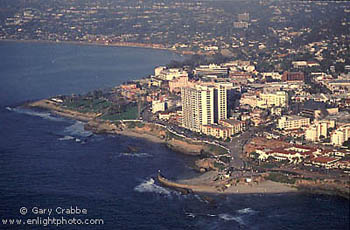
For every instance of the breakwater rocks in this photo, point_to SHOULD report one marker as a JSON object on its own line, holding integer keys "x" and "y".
{"x": 183, "y": 188}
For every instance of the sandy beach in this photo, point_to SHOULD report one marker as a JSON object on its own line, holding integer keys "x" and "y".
{"x": 206, "y": 184}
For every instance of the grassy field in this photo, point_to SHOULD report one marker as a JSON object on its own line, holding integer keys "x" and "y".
{"x": 131, "y": 113}
{"x": 88, "y": 105}
{"x": 102, "y": 106}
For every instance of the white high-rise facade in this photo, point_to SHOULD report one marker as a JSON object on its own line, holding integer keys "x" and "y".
{"x": 203, "y": 105}
{"x": 221, "y": 103}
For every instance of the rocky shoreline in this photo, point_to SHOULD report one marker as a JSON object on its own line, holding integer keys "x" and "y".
{"x": 148, "y": 131}
{"x": 202, "y": 184}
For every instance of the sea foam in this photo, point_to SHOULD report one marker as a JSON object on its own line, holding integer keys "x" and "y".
{"x": 190, "y": 214}
{"x": 66, "y": 138}
{"x": 150, "y": 186}
{"x": 45, "y": 115}
{"x": 77, "y": 129}
{"x": 142, "y": 155}
{"x": 248, "y": 211}
{"x": 228, "y": 217}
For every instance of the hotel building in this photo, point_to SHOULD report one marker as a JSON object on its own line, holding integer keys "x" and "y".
{"x": 203, "y": 105}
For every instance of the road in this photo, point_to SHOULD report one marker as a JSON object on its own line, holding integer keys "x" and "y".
{"x": 236, "y": 147}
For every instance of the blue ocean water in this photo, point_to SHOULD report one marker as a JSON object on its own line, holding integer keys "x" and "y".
{"x": 48, "y": 161}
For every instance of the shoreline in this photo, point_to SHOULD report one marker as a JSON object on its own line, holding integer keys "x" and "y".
{"x": 205, "y": 183}
{"x": 85, "y": 43}
{"x": 200, "y": 184}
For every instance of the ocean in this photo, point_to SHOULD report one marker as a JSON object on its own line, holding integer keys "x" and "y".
{"x": 51, "y": 163}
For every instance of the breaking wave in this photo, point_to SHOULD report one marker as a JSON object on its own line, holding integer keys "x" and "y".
{"x": 135, "y": 155}
{"x": 190, "y": 214}
{"x": 66, "y": 138}
{"x": 77, "y": 129}
{"x": 242, "y": 213}
{"x": 150, "y": 186}
{"x": 45, "y": 115}
{"x": 211, "y": 215}
{"x": 248, "y": 211}
{"x": 228, "y": 217}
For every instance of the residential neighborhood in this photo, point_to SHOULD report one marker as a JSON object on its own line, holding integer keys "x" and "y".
{"x": 263, "y": 71}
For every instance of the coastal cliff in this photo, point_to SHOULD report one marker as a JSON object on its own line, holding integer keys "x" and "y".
{"x": 150, "y": 131}
{"x": 53, "y": 107}
{"x": 160, "y": 134}
{"x": 329, "y": 187}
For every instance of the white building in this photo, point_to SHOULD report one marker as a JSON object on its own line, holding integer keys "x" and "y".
{"x": 158, "y": 106}
{"x": 266, "y": 100}
{"x": 340, "y": 135}
{"x": 203, "y": 105}
{"x": 158, "y": 70}
{"x": 311, "y": 133}
{"x": 293, "y": 122}
{"x": 319, "y": 129}
{"x": 249, "y": 99}
{"x": 169, "y": 74}
{"x": 278, "y": 99}
{"x": 273, "y": 75}
{"x": 211, "y": 69}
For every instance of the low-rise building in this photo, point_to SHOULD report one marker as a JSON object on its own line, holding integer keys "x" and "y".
{"x": 278, "y": 99}
{"x": 293, "y": 76}
{"x": 249, "y": 99}
{"x": 293, "y": 122}
{"x": 225, "y": 129}
{"x": 258, "y": 116}
{"x": 158, "y": 106}
{"x": 342, "y": 86}
{"x": 235, "y": 125}
{"x": 326, "y": 162}
{"x": 170, "y": 74}
{"x": 217, "y": 131}
{"x": 211, "y": 69}
{"x": 293, "y": 153}
{"x": 319, "y": 130}
{"x": 165, "y": 116}
{"x": 273, "y": 75}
